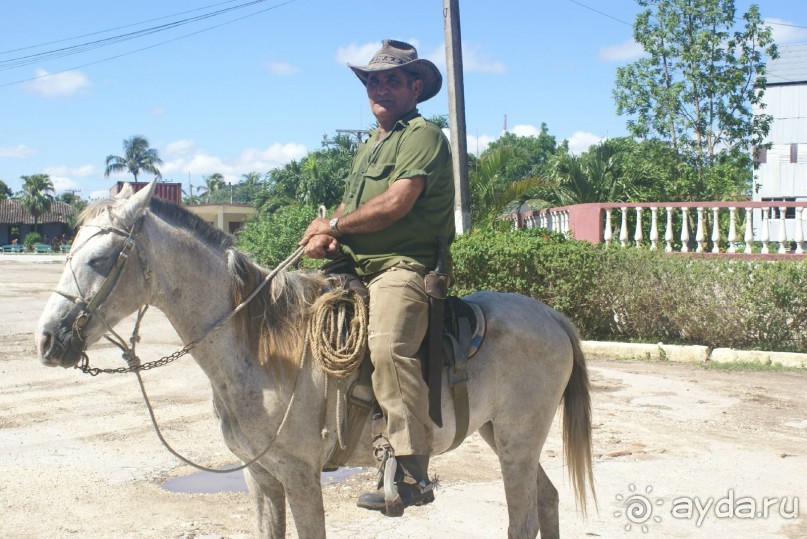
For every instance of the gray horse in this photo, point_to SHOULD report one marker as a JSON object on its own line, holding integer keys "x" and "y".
{"x": 262, "y": 380}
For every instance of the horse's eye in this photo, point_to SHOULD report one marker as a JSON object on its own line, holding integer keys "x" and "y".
{"x": 100, "y": 264}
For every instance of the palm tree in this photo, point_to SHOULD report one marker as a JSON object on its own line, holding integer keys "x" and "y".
{"x": 137, "y": 156}
{"x": 491, "y": 193}
{"x": 249, "y": 187}
{"x": 592, "y": 177}
{"x": 213, "y": 184}
{"x": 37, "y": 195}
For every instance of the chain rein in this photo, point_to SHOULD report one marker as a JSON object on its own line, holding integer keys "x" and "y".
{"x": 130, "y": 356}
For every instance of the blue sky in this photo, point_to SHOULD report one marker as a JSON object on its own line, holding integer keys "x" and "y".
{"x": 255, "y": 93}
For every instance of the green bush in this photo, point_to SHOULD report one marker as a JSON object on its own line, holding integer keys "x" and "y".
{"x": 272, "y": 237}
{"x": 31, "y": 239}
{"x": 639, "y": 295}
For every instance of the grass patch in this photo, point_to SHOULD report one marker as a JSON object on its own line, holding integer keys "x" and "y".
{"x": 756, "y": 365}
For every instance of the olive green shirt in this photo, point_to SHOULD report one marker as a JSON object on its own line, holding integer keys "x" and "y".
{"x": 414, "y": 147}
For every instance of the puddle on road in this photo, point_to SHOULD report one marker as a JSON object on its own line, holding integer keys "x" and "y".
{"x": 211, "y": 483}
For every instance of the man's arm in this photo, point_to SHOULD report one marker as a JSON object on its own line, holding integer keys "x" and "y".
{"x": 376, "y": 214}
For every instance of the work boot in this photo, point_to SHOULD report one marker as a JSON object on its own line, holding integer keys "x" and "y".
{"x": 412, "y": 482}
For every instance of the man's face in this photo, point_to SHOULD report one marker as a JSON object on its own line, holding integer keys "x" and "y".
{"x": 392, "y": 94}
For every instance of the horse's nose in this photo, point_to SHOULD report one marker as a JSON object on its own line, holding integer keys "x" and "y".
{"x": 44, "y": 346}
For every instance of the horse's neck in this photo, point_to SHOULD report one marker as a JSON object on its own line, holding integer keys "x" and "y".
{"x": 191, "y": 287}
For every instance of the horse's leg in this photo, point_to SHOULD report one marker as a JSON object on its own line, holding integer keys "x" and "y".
{"x": 304, "y": 492}
{"x": 519, "y": 461}
{"x": 270, "y": 502}
{"x": 548, "y": 517}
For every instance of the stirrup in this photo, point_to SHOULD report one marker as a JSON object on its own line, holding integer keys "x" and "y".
{"x": 393, "y": 496}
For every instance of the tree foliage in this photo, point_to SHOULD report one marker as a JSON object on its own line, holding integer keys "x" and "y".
{"x": 213, "y": 184}
{"x": 316, "y": 179}
{"x": 77, "y": 203}
{"x": 37, "y": 195}
{"x": 5, "y": 191}
{"x": 273, "y": 237}
{"x": 529, "y": 154}
{"x": 137, "y": 156}
{"x": 493, "y": 192}
{"x": 698, "y": 85}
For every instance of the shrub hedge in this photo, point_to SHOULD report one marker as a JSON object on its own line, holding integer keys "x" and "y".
{"x": 642, "y": 295}
{"x": 31, "y": 239}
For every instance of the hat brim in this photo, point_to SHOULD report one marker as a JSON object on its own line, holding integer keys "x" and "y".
{"x": 423, "y": 69}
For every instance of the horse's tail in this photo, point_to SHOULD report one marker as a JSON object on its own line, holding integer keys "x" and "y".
{"x": 577, "y": 419}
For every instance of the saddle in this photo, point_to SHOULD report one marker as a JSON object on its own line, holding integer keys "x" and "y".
{"x": 463, "y": 331}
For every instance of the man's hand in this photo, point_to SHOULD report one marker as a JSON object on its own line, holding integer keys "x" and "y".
{"x": 319, "y": 226}
{"x": 321, "y": 246}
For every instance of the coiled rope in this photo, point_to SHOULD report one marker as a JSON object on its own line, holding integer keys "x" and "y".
{"x": 337, "y": 332}
{"x": 337, "y": 337}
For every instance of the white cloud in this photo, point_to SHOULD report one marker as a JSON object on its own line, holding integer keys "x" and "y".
{"x": 478, "y": 144}
{"x": 62, "y": 176}
{"x": 157, "y": 111}
{"x": 179, "y": 147}
{"x": 83, "y": 170}
{"x": 783, "y": 35}
{"x": 475, "y": 144}
{"x": 525, "y": 130}
{"x": 62, "y": 84}
{"x": 61, "y": 184}
{"x": 201, "y": 163}
{"x": 580, "y": 141}
{"x": 629, "y": 50}
{"x": 98, "y": 195}
{"x": 357, "y": 54}
{"x": 472, "y": 60}
{"x": 20, "y": 151}
{"x": 282, "y": 68}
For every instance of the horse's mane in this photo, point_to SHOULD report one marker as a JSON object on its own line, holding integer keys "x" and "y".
{"x": 273, "y": 323}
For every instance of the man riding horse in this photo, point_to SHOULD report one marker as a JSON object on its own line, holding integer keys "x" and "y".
{"x": 399, "y": 197}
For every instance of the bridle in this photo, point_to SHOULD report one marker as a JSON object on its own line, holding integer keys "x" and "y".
{"x": 90, "y": 306}
{"x": 90, "y": 309}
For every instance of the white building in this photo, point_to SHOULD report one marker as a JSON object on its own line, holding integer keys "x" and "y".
{"x": 782, "y": 172}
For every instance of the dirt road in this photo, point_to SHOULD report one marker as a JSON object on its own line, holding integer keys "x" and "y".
{"x": 710, "y": 453}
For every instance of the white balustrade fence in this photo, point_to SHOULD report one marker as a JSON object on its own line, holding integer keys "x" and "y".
{"x": 732, "y": 226}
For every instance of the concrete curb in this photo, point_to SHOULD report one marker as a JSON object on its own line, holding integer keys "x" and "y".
{"x": 689, "y": 354}
{"x": 30, "y": 258}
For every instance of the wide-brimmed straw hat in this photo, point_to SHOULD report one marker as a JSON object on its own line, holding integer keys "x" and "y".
{"x": 397, "y": 54}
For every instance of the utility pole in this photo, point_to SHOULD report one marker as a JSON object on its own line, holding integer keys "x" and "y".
{"x": 456, "y": 115}
{"x": 190, "y": 188}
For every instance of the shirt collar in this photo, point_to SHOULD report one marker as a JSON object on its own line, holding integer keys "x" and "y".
{"x": 409, "y": 116}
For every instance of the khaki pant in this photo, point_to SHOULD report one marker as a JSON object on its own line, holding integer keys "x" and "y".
{"x": 399, "y": 318}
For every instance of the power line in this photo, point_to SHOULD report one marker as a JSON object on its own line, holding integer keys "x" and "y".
{"x": 115, "y": 28}
{"x": 604, "y": 14}
{"x": 148, "y": 47}
{"x": 83, "y": 47}
{"x": 600, "y": 12}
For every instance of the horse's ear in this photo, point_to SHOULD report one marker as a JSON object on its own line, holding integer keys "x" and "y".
{"x": 126, "y": 192}
{"x": 136, "y": 204}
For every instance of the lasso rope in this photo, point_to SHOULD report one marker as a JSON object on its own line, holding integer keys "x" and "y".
{"x": 337, "y": 332}
{"x": 337, "y": 336}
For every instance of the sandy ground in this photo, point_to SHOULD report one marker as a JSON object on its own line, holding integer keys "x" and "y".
{"x": 79, "y": 458}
